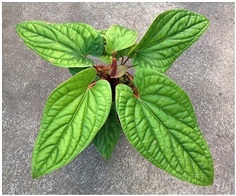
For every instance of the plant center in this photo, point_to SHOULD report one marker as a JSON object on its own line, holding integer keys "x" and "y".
{"x": 103, "y": 73}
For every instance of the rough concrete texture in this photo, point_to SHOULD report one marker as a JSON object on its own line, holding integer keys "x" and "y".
{"x": 205, "y": 71}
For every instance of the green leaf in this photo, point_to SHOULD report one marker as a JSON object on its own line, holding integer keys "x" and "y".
{"x": 119, "y": 38}
{"x": 64, "y": 45}
{"x": 159, "y": 121}
{"x": 74, "y": 113}
{"x": 170, "y": 34}
{"x": 107, "y": 57}
{"x": 106, "y": 139}
{"x": 75, "y": 70}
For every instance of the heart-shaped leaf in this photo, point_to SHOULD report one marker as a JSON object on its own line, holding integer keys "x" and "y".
{"x": 170, "y": 34}
{"x": 74, "y": 113}
{"x": 106, "y": 139}
{"x": 65, "y": 45}
{"x": 159, "y": 121}
{"x": 107, "y": 57}
{"x": 119, "y": 38}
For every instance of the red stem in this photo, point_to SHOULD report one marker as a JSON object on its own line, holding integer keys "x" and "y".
{"x": 113, "y": 66}
{"x": 125, "y": 61}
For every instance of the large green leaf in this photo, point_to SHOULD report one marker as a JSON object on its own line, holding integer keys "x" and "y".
{"x": 119, "y": 38}
{"x": 65, "y": 45}
{"x": 170, "y": 34}
{"x": 159, "y": 121}
{"x": 106, "y": 139}
{"x": 74, "y": 113}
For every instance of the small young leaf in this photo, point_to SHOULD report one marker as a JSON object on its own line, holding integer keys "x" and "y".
{"x": 159, "y": 121}
{"x": 106, "y": 139}
{"x": 121, "y": 69}
{"x": 74, "y": 113}
{"x": 65, "y": 45}
{"x": 170, "y": 34}
{"x": 119, "y": 38}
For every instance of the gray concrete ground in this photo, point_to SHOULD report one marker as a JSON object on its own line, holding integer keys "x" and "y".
{"x": 205, "y": 71}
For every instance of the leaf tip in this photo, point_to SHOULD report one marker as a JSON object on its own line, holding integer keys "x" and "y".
{"x": 34, "y": 170}
{"x": 35, "y": 174}
{"x": 210, "y": 182}
{"x": 211, "y": 178}
{"x": 18, "y": 27}
{"x": 106, "y": 157}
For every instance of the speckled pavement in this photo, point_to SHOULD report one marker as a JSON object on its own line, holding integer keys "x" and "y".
{"x": 205, "y": 71}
